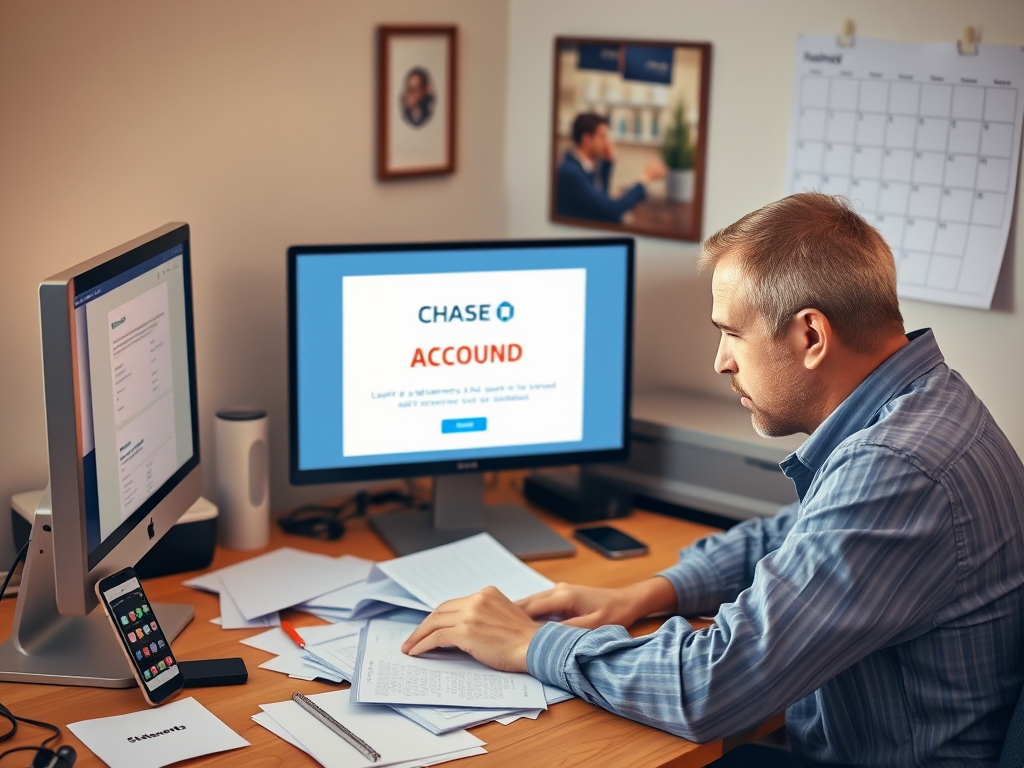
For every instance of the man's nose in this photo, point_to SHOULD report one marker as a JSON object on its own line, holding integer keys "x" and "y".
{"x": 724, "y": 362}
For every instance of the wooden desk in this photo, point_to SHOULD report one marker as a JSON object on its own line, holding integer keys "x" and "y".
{"x": 570, "y": 733}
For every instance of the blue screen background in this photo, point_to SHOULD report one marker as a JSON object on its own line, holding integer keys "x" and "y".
{"x": 320, "y": 357}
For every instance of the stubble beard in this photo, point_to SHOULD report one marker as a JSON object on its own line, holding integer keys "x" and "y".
{"x": 787, "y": 404}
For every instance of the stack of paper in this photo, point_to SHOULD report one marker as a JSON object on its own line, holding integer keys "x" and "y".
{"x": 253, "y": 591}
{"x": 423, "y": 580}
{"x": 295, "y": 662}
{"x": 399, "y": 741}
{"x": 443, "y": 690}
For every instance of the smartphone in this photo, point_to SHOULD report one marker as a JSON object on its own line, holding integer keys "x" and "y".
{"x": 139, "y": 634}
{"x": 610, "y": 542}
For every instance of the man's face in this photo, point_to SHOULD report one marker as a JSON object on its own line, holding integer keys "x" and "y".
{"x": 768, "y": 374}
{"x": 597, "y": 145}
{"x": 414, "y": 90}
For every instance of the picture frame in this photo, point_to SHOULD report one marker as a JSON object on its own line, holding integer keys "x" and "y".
{"x": 652, "y": 96}
{"x": 416, "y": 100}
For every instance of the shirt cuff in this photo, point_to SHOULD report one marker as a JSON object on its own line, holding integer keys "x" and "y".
{"x": 550, "y": 650}
{"x": 698, "y": 588}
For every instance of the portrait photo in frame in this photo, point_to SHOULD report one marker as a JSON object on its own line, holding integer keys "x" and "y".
{"x": 629, "y": 132}
{"x": 416, "y": 101}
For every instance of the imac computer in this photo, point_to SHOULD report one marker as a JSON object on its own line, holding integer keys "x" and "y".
{"x": 452, "y": 359}
{"x": 122, "y": 435}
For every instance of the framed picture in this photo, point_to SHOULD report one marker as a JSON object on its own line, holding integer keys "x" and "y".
{"x": 416, "y": 74}
{"x": 629, "y": 135}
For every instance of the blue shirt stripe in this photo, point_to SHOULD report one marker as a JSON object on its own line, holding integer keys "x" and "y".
{"x": 882, "y": 611}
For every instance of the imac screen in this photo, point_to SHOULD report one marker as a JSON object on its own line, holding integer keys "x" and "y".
{"x": 134, "y": 393}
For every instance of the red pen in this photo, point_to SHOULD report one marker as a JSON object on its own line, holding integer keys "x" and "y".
{"x": 290, "y": 630}
{"x": 316, "y": 657}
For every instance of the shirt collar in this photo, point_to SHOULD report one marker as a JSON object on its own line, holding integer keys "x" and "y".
{"x": 862, "y": 405}
{"x": 587, "y": 164}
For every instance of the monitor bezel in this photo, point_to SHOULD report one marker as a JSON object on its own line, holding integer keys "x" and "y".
{"x": 77, "y": 572}
{"x": 300, "y": 476}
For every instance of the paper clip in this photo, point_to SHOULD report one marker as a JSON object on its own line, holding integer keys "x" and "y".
{"x": 845, "y": 37}
{"x": 967, "y": 45}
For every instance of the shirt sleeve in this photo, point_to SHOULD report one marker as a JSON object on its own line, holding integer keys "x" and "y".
{"x": 715, "y": 569}
{"x": 582, "y": 199}
{"x": 821, "y": 601}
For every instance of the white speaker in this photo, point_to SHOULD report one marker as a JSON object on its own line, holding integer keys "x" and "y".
{"x": 243, "y": 478}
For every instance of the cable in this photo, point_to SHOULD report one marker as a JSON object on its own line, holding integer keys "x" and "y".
{"x": 5, "y": 713}
{"x": 327, "y": 522}
{"x": 10, "y": 571}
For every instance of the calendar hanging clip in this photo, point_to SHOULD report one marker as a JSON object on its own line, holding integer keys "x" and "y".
{"x": 845, "y": 37}
{"x": 967, "y": 45}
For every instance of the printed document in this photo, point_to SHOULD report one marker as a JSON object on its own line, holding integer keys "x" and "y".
{"x": 449, "y": 678}
{"x": 462, "y": 568}
{"x": 158, "y": 736}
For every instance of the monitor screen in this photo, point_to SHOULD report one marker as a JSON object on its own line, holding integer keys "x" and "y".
{"x": 427, "y": 359}
{"x": 134, "y": 390}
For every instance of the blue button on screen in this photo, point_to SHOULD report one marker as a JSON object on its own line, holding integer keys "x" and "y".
{"x": 451, "y": 426}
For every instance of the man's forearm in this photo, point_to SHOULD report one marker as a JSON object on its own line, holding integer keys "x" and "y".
{"x": 652, "y": 597}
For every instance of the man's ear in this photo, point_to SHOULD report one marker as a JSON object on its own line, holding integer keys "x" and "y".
{"x": 812, "y": 336}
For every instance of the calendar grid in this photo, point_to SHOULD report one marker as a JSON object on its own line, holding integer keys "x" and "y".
{"x": 928, "y": 158}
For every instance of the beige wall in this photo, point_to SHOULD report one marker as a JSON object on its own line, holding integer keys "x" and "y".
{"x": 253, "y": 121}
{"x": 751, "y": 76}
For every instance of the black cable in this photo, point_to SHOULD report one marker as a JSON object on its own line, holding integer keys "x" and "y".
{"x": 5, "y": 713}
{"x": 10, "y": 571}
{"x": 327, "y": 522}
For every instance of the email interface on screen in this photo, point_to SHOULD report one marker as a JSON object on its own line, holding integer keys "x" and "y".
{"x": 133, "y": 390}
{"x": 407, "y": 357}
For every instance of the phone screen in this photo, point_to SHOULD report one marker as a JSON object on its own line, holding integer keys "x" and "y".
{"x": 129, "y": 610}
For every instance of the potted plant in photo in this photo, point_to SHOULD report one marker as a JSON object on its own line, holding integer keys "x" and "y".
{"x": 677, "y": 151}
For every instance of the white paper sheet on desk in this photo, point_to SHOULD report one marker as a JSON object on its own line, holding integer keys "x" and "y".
{"x": 207, "y": 582}
{"x": 292, "y": 660}
{"x": 232, "y": 618}
{"x": 396, "y": 739}
{"x": 175, "y": 731}
{"x": 276, "y": 641}
{"x": 365, "y": 599}
{"x": 262, "y": 718}
{"x": 285, "y": 577}
{"x": 462, "y": 568}
{"x": 445, "y": 719}
{"x": 449, "y": 678}
{"x": 301, "y": 669}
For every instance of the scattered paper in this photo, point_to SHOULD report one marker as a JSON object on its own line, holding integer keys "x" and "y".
{"x": 397, "y": 739}
{"x": 157, "y": 736}
{"x": 285, "y": 577}
{"x": 232, "y": 618}
{"x": 385, "y": 675}
{"x": 462, "y": 568}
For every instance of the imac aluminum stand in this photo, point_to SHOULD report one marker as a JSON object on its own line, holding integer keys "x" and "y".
{"x": 45, "y": 647}
{"x": 458, "y": 511}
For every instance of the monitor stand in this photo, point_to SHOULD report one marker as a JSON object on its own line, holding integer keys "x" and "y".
{"x": 457, "y": 511}
{"x": 45, "y": 647}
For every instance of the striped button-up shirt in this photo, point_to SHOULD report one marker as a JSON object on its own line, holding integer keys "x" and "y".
{"x": 882, "y": 611}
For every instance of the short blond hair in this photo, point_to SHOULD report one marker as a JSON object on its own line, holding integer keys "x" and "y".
{"x": 813, "y": 250}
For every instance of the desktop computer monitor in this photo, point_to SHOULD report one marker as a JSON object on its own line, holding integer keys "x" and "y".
{"x": 451, "y": 359}
{"x": 122, "y": 434}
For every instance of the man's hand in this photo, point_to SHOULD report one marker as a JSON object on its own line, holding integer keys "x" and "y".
{"x": 592, "y": 607}
{"x": 654, "y": 170}
{"x": 487, "y": 626}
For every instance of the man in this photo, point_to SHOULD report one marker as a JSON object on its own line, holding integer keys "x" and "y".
{"x": 417, "y": 97}
{"x": 586, "y": 170}
{"x": 883, "y": 610}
